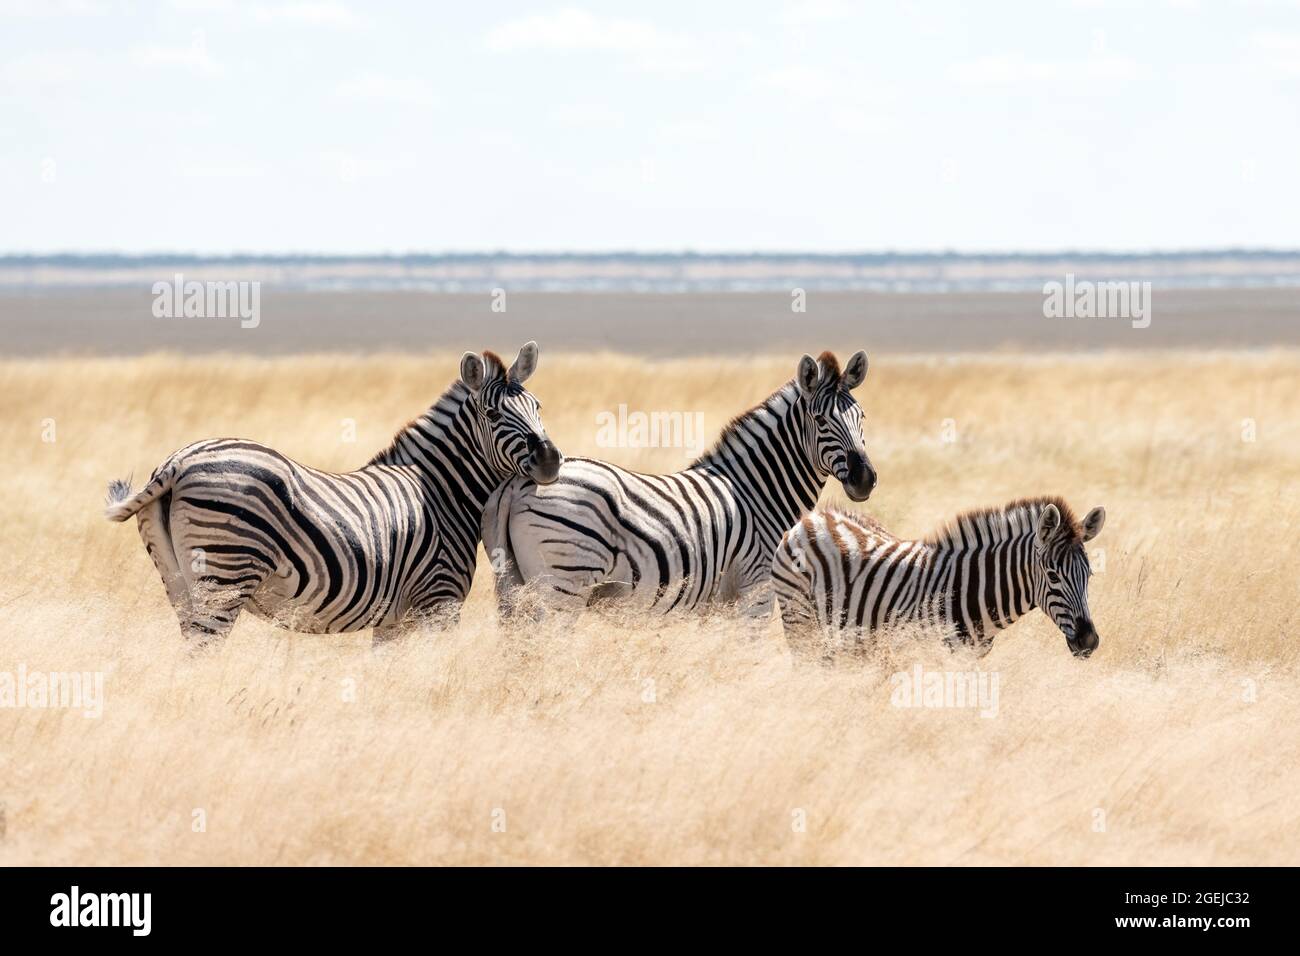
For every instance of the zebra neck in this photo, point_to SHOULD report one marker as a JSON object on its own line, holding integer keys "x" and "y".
{"x": 443, "y": 444}
{"x": 764, "y": 450}
{"x": 986, "y": 575}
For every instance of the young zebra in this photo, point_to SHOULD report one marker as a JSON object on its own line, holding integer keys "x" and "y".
{"x": 701, "y": 535}
{"x": 233, "y": 524}
{"x": 840, "y": 572}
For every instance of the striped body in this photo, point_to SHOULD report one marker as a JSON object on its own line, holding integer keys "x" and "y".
{"x": 680, "y": 541}
{"x": 232, "y": 524}
{"x": 332, "y": 552}
{"x": 836, "y": 573}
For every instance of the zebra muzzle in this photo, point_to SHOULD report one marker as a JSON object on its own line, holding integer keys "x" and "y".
{"x": 861, "y": 478}
{"x": 544, "y": 462}
{"x": 1086, "y": 639}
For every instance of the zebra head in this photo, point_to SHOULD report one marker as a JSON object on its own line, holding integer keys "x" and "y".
{"x": 1061, "y": 574}
{"x": 507, "y": 415}
{"x": 834, "y": 422}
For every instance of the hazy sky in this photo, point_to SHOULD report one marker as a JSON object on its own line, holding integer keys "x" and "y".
{"x": 218, "y": 125}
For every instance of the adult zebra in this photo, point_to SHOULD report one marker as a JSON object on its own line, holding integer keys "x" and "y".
{"x": 699, "y": 536}
{"x": 233, "y": 524}
{"x": 836, "y": 572}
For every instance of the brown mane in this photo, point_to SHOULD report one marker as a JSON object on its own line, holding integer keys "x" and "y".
{"x": 830, "y": 367}
{"x": 491, "y": 358}
{"x": 1069, "y": 521}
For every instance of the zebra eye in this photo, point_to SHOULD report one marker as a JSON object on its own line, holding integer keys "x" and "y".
{"x": 1053, "y": 577}
{"x": 819, "y": 418}
{"x": 492, "y": 414}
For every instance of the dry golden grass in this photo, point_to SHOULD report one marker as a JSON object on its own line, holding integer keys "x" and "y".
{"x": 673, "y": 742}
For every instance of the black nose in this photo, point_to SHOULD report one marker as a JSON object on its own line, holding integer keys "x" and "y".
{"x": 1086, "y": 638}
{"x": 546, "y": 460}
{"x": 861, "y": 479}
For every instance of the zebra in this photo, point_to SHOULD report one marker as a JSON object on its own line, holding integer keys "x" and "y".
{"x": 231, "y": 524}
{"x": 844, "y": 573}
{"x": 700, "y": 536}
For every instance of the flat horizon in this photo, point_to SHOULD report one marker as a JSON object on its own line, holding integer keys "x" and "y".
{"x": 684, "y": 253}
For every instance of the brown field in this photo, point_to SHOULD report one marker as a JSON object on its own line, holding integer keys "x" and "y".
{"x": 608, "y": 741}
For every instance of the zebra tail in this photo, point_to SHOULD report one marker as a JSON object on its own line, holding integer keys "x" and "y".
{"x": 120, "y": 504}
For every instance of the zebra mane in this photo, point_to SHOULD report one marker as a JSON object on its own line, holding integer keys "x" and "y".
{"x": 448, "y": 406}
{"x": 493, "y": 366}
{"x": 789, "y": 391}
{"x": 951, "y": 532}
{"x": 829, "y": 366}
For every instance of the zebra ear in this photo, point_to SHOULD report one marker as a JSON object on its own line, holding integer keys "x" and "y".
{"x": 1092, "y": 523}
{"x": 472, "y": 372}
{"x": 1048, "y": 522}
{"x": 806, "y": 376}
{"x": 856, "y": 370}
{"x": 525, "y": 364}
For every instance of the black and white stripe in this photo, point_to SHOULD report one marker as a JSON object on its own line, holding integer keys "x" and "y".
{"x": 233, "y": 524}
{"x": 699, "y": 536}
{"x": 835, "y": 573}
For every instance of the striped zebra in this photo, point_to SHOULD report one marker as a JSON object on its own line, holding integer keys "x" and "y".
{"x": 843, "y": 573}
{"x": 231, "y": 524}
{"x": 703, "y": 535}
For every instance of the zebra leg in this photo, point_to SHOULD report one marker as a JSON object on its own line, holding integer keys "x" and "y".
{"x": 803, "y": 635}
{"x": 551, "y": 595}
{"x": 439, "y": 617}
{"x": 609, "y": 592}
{"x": 223, "y": 568}
{"x": 215, "y": 606}
{"x": 387, "y": 633}
{"x": 495, "y": 534}
{"x": 792, "y": 585}
{"x": 756, "y": 602}
{"x": 151, "y": 521}
{"x": 509, "y": 584}
{"x": 754, "y": 595}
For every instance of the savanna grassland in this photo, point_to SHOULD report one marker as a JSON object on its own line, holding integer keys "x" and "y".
{"x": 608, "y": 740}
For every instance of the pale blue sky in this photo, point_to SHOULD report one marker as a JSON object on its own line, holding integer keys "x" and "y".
{"x": 337, "y": 126}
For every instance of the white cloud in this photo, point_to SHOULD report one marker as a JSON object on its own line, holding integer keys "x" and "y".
{"x": 1014, "y": 69}
{"x": 852, "y": 120}
{"x": 381, "y": 88}
{"x": 1278, "y": 52}
{"x": 648, "y": 47}
{"x": 203, "y": 6}
{"x": 56, "y": 8}
{"x": 847, "y": 91}
{"x": 350, "y": 167}
{"x": 596, "y": 115}
{"x": 815, "y": 11}
{"x": 224, "y": 171}
{"x": 325, "y": 13}
{"x": 41, "y": 74}
{"x": 193, "y": 57}
{"x": 690, "y": 132}
{"x": 572, "y": 29}
{"x": 804, "y": 82}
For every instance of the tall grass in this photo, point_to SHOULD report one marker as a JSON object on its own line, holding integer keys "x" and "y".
{"x": 612, "y": 740}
